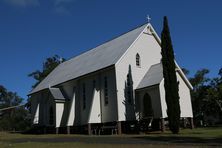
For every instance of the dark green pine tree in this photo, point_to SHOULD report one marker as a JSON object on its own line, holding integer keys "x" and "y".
{"x": 170, "y": 79}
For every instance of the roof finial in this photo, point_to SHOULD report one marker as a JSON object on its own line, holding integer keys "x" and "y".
{"x": 148, "y": 18}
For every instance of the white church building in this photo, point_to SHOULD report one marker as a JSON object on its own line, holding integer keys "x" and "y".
{"x": 113, "y": 86}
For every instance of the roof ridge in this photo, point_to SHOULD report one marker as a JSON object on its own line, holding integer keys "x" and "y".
{"x": 156, "y": 64}
{"x": 107, "y": 54}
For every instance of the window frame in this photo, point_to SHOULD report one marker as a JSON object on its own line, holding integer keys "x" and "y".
{"x": 106, "y": 91}
{"x": 51, "y": 115}
{"x": 138, "y": 60}
{"x": 84, "y": 96}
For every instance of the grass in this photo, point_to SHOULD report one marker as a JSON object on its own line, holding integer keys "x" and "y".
{"x": 200, "y": 137}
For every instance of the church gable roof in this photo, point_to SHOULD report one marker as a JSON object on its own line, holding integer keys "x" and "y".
{"x": 153, "y": 77}
{"x": 95, "y": 59}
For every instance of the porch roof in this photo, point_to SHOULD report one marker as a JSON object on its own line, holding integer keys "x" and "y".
{"x": 56, "y": 93}
{"x": 153, "y": 76}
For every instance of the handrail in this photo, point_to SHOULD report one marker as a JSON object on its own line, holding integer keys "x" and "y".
{"x": 11, "y": 107}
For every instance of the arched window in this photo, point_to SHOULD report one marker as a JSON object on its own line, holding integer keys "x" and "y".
{"x": 138, "y": 62}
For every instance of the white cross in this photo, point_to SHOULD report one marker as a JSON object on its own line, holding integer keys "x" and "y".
{"x": 148, "y": 18}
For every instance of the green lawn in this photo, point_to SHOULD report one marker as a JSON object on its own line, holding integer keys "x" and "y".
{"x": 199, "y": 137}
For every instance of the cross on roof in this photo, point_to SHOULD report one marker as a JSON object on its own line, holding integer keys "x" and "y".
{"x": 148, "y": 18}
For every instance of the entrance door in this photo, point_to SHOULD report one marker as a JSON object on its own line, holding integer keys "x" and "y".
{"x": 147, "y": 107}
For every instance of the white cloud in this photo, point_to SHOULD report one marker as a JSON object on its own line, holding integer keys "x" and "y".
{"x": 58, "y": 6}
{"x": 63, "y": 2}
{"x": 61, "y": 10}
{"x": 23, "y": 3}
{"x": 61, "y": 6}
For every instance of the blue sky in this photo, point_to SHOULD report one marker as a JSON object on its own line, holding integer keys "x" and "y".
{"x": 32, "y": 30}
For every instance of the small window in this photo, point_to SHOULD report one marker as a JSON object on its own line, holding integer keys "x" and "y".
{"x": 138, "y": 62}
{"x": 51, "y": 116}
{"x": 84, "y": 95}
{"x": 94, "y": 84}
{"x": 106, "y": 91}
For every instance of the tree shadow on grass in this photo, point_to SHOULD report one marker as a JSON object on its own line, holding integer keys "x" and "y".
{"x": 183, "y": 140}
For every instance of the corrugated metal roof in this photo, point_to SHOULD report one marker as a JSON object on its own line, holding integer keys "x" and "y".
{"x": 98, "y": 58}
{"x": 152, "y": 77}
{"x": 56, "y": 93}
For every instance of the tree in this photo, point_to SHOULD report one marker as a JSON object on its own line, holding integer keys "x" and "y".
{"x": 215, "y": 92}
{"x": 220, "y": 74}
{"x": 8, "y": 98}
{"x": 206, "y": 97}
{"x": 199, "y": 95}
{"x": 14, "y": 118}
{"x": 185, "y": 71}
{"x": 200, "y": 78}
{"x": 49, "y": 65}
{"x": 170, "y": 79}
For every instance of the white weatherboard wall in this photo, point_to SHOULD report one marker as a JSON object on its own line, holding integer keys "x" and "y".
{"x": 45, "y": 103}
{"x": 41, "y": 102}
{"x": 88, "y": 82}
{"x": 70, "y": 91}
{"x": 150, "y": 53}
{"x": 95, "y": 116}
{"x": 108, "y": 112}
{"x": 68, "y": 88}
{"x": 185, "y": 98}
{"x": 35, "y": 109}
{"x": 71, "y": 116}
{"x": 59, "y": 112}
{"x": 162, "y": 98}
{"x": 36, "y": 117}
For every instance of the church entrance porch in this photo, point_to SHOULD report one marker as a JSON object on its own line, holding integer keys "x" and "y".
{"x": 147, "y": 113}
{"x": 148, "y": 109}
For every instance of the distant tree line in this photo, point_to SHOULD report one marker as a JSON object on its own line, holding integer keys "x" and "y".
{"x": 206, "y": 97}
{"x": 16, "y": 118}
{"x": 19, "y": 118}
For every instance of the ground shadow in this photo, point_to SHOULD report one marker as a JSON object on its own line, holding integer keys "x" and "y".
{"x": 174, "y": 140}
{"x": 183, "y": 140}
